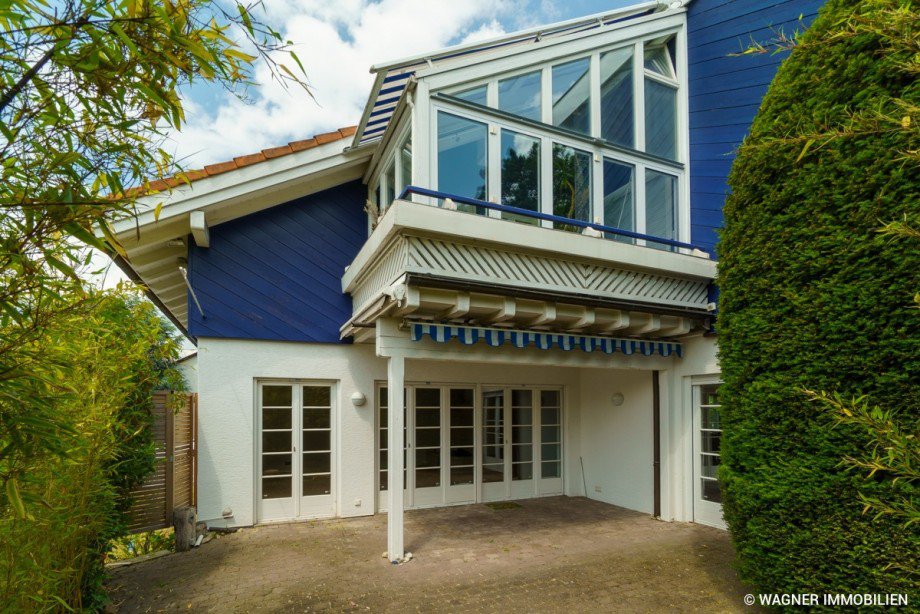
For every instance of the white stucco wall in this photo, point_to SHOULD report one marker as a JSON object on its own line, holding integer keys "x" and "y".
{"x": 189, "y": 370}
{"x": 616, "y": 441}
{"x": 228, "y": 370}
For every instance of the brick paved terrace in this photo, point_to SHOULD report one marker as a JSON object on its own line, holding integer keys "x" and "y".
{"x": 549, "y": 555}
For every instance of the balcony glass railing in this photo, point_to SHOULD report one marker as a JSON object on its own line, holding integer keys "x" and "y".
{"x": 474, "y": 205}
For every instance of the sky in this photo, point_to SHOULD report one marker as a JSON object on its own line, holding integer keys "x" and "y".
{"x": 338, "y": 41}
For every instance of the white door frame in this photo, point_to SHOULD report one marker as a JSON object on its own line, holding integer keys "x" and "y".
{"x": 300, "y": 507}
{"x": 538, "y": 486}
{"x": 704, "y": 512}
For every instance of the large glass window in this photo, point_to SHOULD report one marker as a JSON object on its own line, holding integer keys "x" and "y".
{"x": 405, "y": 163}
{"x": 476, "y": 94}
{"x": 521, "y": 95}
{"x": 619, "y": 199}
{"x": 660, "y": 119}
{"x": 571, "y": 185}
{"x": 462, "y": 156}
{"x": 617, "y": 97}
{"x": 520, "y": 174}
{"x": 571, "y": 96}
{"x": 660, "y": 206}
{"x": 390, "y": 183}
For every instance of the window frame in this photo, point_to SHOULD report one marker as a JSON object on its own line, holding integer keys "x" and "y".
{"x": 548, "y": 133}
{"x": 378, "y": 188}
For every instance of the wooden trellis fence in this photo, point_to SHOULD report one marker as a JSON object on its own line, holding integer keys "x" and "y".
{"x": 175, "y": 480}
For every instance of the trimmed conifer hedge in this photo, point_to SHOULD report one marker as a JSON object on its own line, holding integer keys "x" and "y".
{"x": 814, "y": 297}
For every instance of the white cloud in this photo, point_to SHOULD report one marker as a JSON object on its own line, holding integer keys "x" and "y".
{"x": 337, "y": 41}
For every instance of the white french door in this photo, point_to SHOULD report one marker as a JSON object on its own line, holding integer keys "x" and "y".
{"x": 466, "y": 444}
{"x": 707, "y": 440}
{"x": 294, "y": 451}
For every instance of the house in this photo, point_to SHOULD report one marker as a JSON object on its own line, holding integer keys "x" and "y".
{"x": 515, "y": 245}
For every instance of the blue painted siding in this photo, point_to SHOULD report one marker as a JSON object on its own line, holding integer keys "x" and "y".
{"x": 725, "y": 91}
{"x": 277, "y": 274}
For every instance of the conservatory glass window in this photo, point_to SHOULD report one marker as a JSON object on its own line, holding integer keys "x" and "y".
{"x": 462, "y": 156}
{"x": 617, "y": 97}
{"x": 520, "y": 174}
{"x": 619, "y": 203}
{"x": 660, "y": 205}
{"x": 571, "y": 96}
{"x": 521, "y": 95}
{"x": 571, "y": 185}
{"x": 476, "y": 94}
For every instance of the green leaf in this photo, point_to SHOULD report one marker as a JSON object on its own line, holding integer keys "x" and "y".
{"x": 804, "y": 151}
{"x": 14, "y": 499}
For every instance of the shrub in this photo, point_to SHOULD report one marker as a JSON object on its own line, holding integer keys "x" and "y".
{"x": 814, "y": 297}
{"x": 101, "y": 365}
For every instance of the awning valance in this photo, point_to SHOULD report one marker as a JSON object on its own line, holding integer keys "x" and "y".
{"x": 496, "y": 337}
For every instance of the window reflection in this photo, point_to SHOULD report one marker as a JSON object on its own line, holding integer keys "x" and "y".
{"x": 571, "y": 185}
{"x": 520, "y": 174}
{"x": 618, "y": 198}
{"x": 521, "y": 95}
{"x": 390, "y": 181}
{"x": 571, "y": 94}
{"x": 658, "y": 59}
{"x": 617, "y": 97}
{"x": 476, "y": 94}
{"x": 660, "y": 119}
{"x": 660, "y": 206}
{"x": 405, "y": 163}
{"x": 462, "y": 156}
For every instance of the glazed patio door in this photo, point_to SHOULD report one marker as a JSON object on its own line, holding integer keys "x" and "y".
{"x": 493, "y": 473}
{"x": 707, "y": 439}
{"x": 294, "y": 457}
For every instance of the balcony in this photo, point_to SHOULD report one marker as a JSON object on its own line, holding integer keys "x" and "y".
{"x": 440, "y": 261}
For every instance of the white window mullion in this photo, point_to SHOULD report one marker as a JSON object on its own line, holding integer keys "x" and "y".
{"x": 595, "y": 94}
{"x": 546, "y": 179}
{"x": 597, "y": 189}
{"x": 640, "y": 202}
{"x": 683, "y": 133}
{"x": 494, "y": 166}
{"x": 546, "y": 95}
{"x": 638, "y": 74}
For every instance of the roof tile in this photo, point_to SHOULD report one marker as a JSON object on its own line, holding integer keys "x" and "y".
{"x": 248, "y": 159}
{"x": 277, "y": 152}
{"x": 220, "y": 167}
{"x": 159, "y": 185}
{"x": 328, "y": 137}
{"x": 302, "y": 145}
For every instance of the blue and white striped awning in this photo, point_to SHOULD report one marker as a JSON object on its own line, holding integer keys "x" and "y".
{"x": 496, "y": 337}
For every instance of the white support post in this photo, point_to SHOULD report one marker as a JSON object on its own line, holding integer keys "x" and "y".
{"x": 396, "y": 370}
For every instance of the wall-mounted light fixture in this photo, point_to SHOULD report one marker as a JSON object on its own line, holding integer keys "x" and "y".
{"x": 358, "y": 399}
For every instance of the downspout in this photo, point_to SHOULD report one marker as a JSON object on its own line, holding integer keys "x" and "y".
{"x": 656, "y": 445}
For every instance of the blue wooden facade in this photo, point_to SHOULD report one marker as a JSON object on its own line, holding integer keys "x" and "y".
{"x": 277, "y": 274}
{"x": 726, "y": 90}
